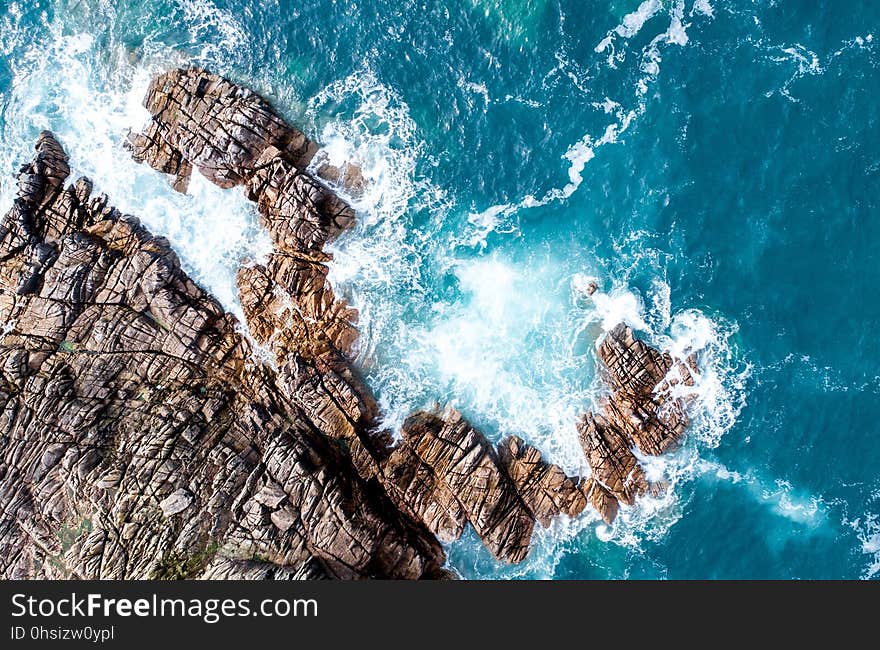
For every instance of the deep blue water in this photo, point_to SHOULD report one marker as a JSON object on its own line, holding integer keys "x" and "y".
{"x": 714, "y": 164}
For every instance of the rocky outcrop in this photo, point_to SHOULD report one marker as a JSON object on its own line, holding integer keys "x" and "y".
{"x": 461, "y": 469}
{"x": 444, "y": 474}
{"x": 141, "y": 437}
{"x": 234, "y": 137}
{"x": 640, "y": 411}
{"x": 642, "y": 380}
{"x": 221, "y": 127}
{"x": 544, "y": 488}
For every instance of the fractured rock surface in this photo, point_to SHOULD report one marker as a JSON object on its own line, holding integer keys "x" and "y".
{"x": 290, "y": 307}
{"x": 139, "y": 437}
{"x": 640, "y": 412}
{"x": 223, "y": 128}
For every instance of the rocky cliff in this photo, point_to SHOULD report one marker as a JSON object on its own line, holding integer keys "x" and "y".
{"x": 140, "y": 436}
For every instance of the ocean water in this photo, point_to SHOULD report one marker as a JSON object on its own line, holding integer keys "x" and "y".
{"x": 713, "y": 164}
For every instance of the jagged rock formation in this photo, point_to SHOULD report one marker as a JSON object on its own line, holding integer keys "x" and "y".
{"x": 140, "y": 437}
{"x": 288, "y": 303}
{"x": 447, "y": 474}
{"x": 443, "y": 475}
{"x": 223, "y": 129}
{"x": 640, "y": 411}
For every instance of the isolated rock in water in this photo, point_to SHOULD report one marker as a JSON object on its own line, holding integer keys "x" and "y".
{"x": 640, "y": 411}
{"x": 138, "y": 437}
{"x": 347, "y": 176}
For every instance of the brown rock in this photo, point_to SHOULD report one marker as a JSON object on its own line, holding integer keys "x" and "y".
{"x": 614, "y": 466}
{"x": 138, "y": 438}
{"x": 464, "y": 468}
{"x": 640, "y": 402}
{"x": 290, "y": 307}
{"x": 639, "y": 412}
{"x": 220, "y": 128}
{"x": 602, "y": 500}
{"x": 347, "y": 177}
{"x": 544, "y": 488}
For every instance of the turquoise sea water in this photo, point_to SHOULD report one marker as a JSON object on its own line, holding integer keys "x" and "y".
{"x": 714, "y": 164}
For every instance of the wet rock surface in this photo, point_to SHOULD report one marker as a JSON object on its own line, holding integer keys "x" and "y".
{"x": 207, "y": 122}
{"x": 142, "y": 437}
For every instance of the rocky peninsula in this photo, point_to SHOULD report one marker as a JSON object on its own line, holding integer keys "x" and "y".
{"x": 141, "y": 437}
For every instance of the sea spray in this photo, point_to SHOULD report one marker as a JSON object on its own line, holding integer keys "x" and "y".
{"x": 498, "y": 345}
{"x": 91, "y": 101}
{"x": 729, "y": 216}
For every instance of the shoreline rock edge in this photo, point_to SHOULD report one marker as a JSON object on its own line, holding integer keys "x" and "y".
{"x": 140, "y": 438}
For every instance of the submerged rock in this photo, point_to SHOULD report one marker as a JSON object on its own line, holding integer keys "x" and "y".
{"x": 142, "y": 438}
{"x": 347, "y": 176}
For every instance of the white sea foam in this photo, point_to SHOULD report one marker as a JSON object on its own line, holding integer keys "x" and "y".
{"x": 702, "y": 7}
{"x": 779, "y": 495}
{"x": 867, "y": 532}
{"x": 509, "y": 342}
{"x": 631, "y": 25}
{"x": 618, "y": 306}
{"x": 503, "y": 352}
{"x": 648, "y": 59}
{"x": 633, "y": 22}
{"x": 496, "y": 219}
{"x": 805, "y": 61}
{"x": 221, "y": 33}
{"x": 90, "y": 100}
{"x": 364, "y": 122}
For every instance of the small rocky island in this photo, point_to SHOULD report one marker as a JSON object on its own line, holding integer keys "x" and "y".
{"x": 141, "y": 437}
